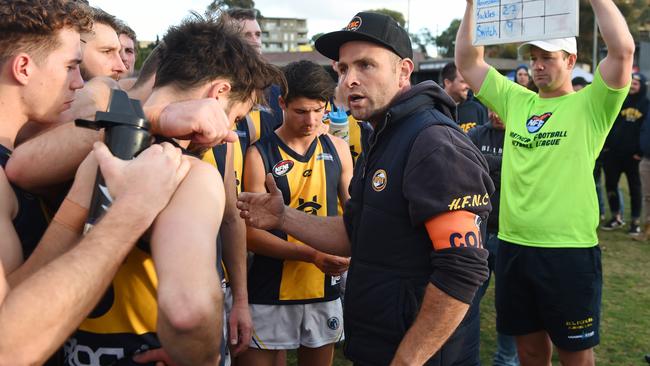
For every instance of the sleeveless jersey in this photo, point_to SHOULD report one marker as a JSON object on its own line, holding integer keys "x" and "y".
{"x": 124, "y": 322}
{"x": 308, "y": 183}
{"x": 32, "y": 219}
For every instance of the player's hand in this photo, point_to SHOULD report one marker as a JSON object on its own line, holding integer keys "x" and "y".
{"x": 148, "y": 181}
{"x": 240, "y": 328}
{"x": 263, "y": 210}
{"x": 158, "y": 355}
{"x": 202, "y": 120}
{"x": 331, "y": 264}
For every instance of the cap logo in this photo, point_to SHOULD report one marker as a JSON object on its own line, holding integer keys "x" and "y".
{"x": 354, "y": 24}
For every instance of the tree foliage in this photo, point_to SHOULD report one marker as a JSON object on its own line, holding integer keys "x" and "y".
{"x": 398, "y": 16}
{"x": 446, "y": 41}
{"x": 215, "y": 5}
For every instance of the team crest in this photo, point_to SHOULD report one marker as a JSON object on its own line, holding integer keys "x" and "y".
{"x": 535, "y": 123}
{"x": 354, "y": 24}
{"x": 333, "y": 323}
{"x": 379, "y": 180}
{"x": 282, "y": 168}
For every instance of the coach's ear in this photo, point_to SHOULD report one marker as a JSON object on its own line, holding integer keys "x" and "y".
{"x": 22, "y": 66}
{"x": 219, "y": 88}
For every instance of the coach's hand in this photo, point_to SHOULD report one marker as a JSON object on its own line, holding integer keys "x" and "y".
{"x": 263, "y": 210}
{"x": 331, "y": 264}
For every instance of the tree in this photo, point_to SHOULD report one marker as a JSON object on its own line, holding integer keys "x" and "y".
{"x": 315, "y": 37}
{"x": 422, "y": 39}
{"x": 216, "y": 5}
{"x": 446, "y": 41}
{"x": 399, "y": 17}
{"x": 143, "y": 53}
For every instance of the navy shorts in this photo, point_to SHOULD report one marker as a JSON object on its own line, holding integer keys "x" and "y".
{"x": 557, "y": 290}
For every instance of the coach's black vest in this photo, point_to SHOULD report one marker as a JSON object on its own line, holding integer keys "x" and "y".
{"x": 391, "y": 265}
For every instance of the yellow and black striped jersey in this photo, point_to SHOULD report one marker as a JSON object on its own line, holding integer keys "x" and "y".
{"x": 308, "y": 183}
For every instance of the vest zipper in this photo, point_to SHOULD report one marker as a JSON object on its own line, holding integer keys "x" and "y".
{"x": 372, "y": 144}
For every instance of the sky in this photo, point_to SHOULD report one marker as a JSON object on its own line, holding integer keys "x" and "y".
{"x": 152, "y": 17}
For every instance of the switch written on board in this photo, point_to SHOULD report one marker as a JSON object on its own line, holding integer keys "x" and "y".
{"x": 510, "y": 21}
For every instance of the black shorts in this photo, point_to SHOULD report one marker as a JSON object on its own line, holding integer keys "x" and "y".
{"x": 557, "y": 290}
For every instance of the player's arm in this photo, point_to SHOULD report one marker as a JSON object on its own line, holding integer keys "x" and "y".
{"x": 53, "y": 156}
{"x": 616, "y": 67}
{"x": 11, "y": 253}
{"x": 469, "y": 59}
{"x": 343, "y": 150}
{"x": 233, "y": 233}
{"x": 65, "y": 229}
{"x": 455, "y": 237}
{"x": 264, "y": 243}
{"x": 37, "y": 315}
{"x": 183, "y": 246}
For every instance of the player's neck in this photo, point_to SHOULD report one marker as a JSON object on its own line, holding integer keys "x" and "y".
{"x": 565, "y": 89}
{"x": 299, "y": 144}
{"x": 13, "y": 116}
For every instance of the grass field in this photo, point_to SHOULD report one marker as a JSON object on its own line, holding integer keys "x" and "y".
{"x": 625, "y": 324}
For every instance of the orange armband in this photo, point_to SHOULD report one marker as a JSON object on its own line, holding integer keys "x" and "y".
{"x": 455, "y": 229}
{"x": 71, "y": 215}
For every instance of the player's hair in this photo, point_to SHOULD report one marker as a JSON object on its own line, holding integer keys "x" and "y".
{"x": 149, "y": 66}
{"x": 32, "y": 26}
{"x": 203, "y": 49}
{"x": 129, "y": 32}
{"x": 307, "y": 79}
{"x": 102, "y": 17}
{"x": 240, "y": 14}
{"x": 448, "y": 73}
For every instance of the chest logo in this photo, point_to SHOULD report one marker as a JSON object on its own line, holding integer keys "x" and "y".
{"x": 282, "y": 168}
{"x": 379, "y": 180}
{"x": 535, "y": 123}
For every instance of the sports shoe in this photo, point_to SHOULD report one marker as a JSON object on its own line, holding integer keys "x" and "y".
{"x": 613, "y": 224}
{"x": 635, "y": 229}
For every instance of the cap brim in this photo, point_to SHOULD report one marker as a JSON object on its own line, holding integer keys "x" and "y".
{"x": 524, "y": 49}
{"x": 329, "y": 44}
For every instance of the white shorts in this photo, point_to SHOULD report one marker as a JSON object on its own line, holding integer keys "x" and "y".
{"x": 291, "y": 326}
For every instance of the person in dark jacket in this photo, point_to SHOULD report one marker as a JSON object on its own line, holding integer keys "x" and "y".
{"x": 623, "y": 151}
{"x": 418, "y": 195}
{"x": 644, "y": 145}
{"x": 489, "y": 140}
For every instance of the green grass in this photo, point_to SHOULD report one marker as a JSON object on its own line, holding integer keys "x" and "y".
{"x": 625, "y": 323}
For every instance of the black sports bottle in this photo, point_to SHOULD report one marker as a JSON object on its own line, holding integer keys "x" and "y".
{"x": 126, "y": 133}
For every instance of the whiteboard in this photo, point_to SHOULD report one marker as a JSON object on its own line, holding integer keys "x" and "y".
{"x": 510, "y": 21}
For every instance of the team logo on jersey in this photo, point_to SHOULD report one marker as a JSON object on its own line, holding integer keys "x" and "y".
{"x": 310, "y": 207}
{"x": 333, "y": 323}
{"x": 535, "y": 123}
{"x": 379, "y": 180}
{"x": 325, "y": 156}
{"x": 354, "y": 24}
{"x": 282, "y": 168}
{"x": 307, "y": 173}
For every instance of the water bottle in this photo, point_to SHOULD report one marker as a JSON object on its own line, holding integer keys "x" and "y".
{"x": 126, "y": 134}
{"x": 339, "y": 123}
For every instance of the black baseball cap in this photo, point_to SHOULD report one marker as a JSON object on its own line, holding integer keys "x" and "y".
{"x": 370, "y": 27}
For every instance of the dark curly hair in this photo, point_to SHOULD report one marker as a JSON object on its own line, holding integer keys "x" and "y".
{"x": 204, "y": 49}
{"x": 32, "y": 26}
{"x": 309, "y": 80}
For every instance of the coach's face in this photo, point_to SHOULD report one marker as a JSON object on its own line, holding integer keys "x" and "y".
{"x": 370, "y": 76}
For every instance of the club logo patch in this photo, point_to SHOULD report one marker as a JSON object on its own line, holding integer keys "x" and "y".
{"x": 535, "y": 123}
{"x": 354, "y": 24}
{"x": 379, "y": 180}
{"x": 325, "y": 156}
{"x": 282, "y": 168}
{"x": 333, "y": 323}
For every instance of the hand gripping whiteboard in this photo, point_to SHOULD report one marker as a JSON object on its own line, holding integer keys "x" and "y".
{"x": 510, "y": 21}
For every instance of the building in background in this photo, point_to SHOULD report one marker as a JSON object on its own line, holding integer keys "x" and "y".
{"x": 283, "y": 34}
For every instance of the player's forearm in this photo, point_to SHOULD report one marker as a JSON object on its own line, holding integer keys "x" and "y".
{"x": 72, "y": 285}
{"x": 613, "y": 29}
{"x": 264, "y": 243}
{"x": 50, "y": 158}
{"x": 437, "y": 319}
{"x": 466, "y": 54}
{"x": 326, "y": 234}
{"x": 233, "y": 231}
